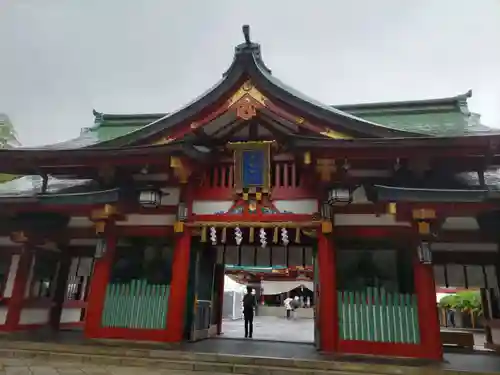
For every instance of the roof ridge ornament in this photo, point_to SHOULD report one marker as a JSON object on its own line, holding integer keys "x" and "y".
{"x": 249, "y": 47}
{"x": 98, "y": 116}
{"x": 246, "y": 34}
{"x": 462, "y": 102}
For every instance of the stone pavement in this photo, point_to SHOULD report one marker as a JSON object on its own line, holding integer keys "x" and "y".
{"x": 21, "y": 366}
{"x": 242, "y": 349}
{"x": 273, "y": 329}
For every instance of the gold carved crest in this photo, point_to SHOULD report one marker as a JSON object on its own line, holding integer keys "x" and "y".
{"x": 245, "y": 109}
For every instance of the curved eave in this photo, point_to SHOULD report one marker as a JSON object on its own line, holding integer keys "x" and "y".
{"x": 487, "y": 143}
{"x": 248, "y": 64}
{"x": 31, "y": 161}
{"x": 399, "y": 194}
{"x": 15, "y": 199}
{"x": 73, "y": 199}
{"x": 215, "y": 95}
{"x": 100, "y": 116}
{"x": 332, "y": 117}
{"x": 453, "y": 101}
{"x": 84, "y": 198}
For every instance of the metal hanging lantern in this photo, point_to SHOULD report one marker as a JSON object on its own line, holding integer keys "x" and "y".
{"x": 150, "y": 198}
{"x": 100, "y": 248}
{"x": 424, "y": 253}
{"x": 340, "y": 196}
{"x": 182, "y": 212}
{"x": 326, "y": 211}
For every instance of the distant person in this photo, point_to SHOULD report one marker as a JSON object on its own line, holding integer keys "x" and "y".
{"x": 288, "y": 306}
{"x": 451, "y": 318}
{"x": 308, "y": 302}
{"x": 249, "y": 304}
{"x": 295, "y": 305}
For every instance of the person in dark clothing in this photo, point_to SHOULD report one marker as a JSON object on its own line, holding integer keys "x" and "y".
{"x": 249, "y": 303}
{"x": 451, "y": 317}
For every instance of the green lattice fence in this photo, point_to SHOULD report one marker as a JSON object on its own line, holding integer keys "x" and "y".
{"x": 374, "y": 315}
{"x": 136, "y": 305}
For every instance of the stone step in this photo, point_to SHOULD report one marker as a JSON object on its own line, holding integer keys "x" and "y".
{"x": 206, "y": 362}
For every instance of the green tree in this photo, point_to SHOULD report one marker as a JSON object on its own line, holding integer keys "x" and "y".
{"x": 8, "y": 138}
{"x": 8, "y": 135}
{"x": 465, "y": 301}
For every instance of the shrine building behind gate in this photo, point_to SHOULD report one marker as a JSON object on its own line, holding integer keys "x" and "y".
{"x": 127, "y": 229}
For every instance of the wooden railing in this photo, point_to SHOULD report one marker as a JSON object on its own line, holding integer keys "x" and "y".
{"x": 287, "y": 182}
{"x": 135, "y": 305}
{"x": 377, "y": 316}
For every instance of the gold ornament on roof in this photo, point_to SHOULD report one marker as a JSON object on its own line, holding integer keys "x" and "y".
{"x": 246, "y": 109}
{"x": 247, "y": 89}
{"x": 334, "y": 134}
{"x": 163, "y": 141}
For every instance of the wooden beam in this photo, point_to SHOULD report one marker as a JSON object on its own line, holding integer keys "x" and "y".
{"x": 465, "y": 257}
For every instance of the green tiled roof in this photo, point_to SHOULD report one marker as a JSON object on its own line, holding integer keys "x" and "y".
{"x": 106, "y": 133}
{"x": 109, "y": 127}
{"x": 438, "y": 117}
{"x": 432, "y": 123}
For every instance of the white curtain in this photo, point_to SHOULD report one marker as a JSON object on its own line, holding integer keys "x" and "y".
{"x": 232, "y": 286}
{"x": 278, "y": 287}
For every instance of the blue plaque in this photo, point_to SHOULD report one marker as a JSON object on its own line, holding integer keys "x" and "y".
{"x": 253, "y": 168}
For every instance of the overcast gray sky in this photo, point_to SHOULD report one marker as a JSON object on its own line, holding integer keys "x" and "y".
{"x": 61, "y": 58}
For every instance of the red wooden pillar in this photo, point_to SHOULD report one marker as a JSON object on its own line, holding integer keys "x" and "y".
{"x": 328, "y": 312}
{"x": 98, "y": 285}
{"x": 15, "y": 304}
{"x": 430, "y": 339}
{"x": 179, "y": 287}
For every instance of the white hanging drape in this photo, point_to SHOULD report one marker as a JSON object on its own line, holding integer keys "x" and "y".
{"x": 278, "y": 287}
{"x": 232, "y": 286}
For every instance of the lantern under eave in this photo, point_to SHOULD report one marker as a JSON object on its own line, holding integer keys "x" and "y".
{"x": 150, "y": 198}
{"x": 424, "y": 253}
{"x": 340, "y": 196}
{"x": 182, "y": 211}
{"x": 326, "y": 211}
{"x": 100, "y": 248}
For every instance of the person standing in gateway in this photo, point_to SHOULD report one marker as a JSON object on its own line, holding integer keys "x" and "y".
{"x": 249, "y": 304}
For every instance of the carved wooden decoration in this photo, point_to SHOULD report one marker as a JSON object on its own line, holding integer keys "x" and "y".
{"x": 246, "y": 100}
{"x": 181, "y": 170}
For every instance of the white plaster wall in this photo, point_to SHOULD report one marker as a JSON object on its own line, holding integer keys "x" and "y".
{"x": 298, "y": 206}
{"x": 368, "y": 220}
{"x": 211, "y": 207}
{"x": 170, "y": 197}
{"x": 461, "y": 223}
{"x": 3, "y": 315}
{"x": 70, "y": 315}
{"x": 80, "y": 222}
{"x": 34, "y": 316}
{"x": 9, "y": 285}
{"x": 6, "y": 241}
{"x": 138, "y": 219}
